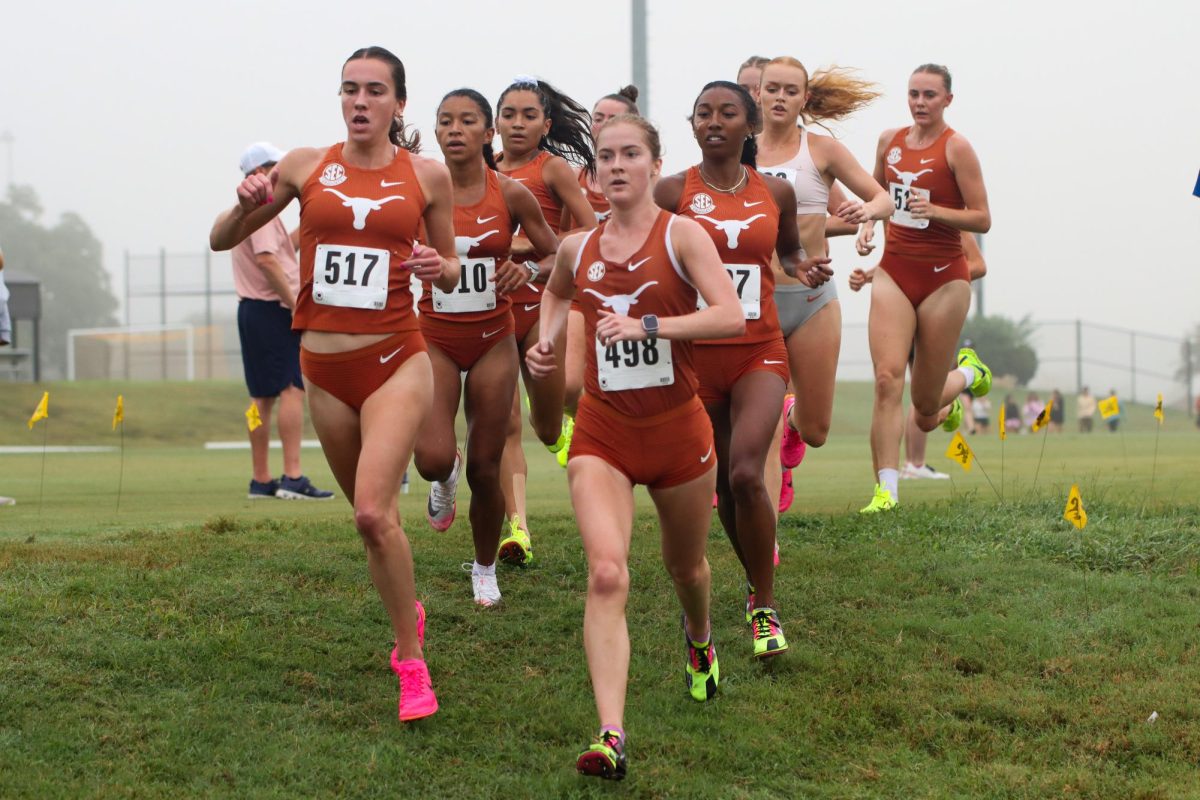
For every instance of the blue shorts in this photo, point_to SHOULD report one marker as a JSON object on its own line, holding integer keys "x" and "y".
{"x": 270, "y": 348}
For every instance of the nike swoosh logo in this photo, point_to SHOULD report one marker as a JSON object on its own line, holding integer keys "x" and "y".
{"x": 925, "y": 161}
{"x": 748, "y": 204}
{"x": 387, "y": 358}
{"x": 633, "y": 267}
{"x": 484, "y": 220}
{"x": 769, "y": 361}
{"x": 704, "y": 458}
{"x": 815, "y": 297}
{"x": 529, "y": 307}
{"x": 493, "y": 333}
{"x": 943, "y": 267}
{"x": 389, "y": 184}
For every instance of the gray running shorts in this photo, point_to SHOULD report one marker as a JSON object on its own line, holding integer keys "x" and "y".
{"x": 797, "y": 303}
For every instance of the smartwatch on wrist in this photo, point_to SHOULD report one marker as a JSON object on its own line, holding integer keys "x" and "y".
{"x": 650, "y": 326}
{"x": 534, "y": 270}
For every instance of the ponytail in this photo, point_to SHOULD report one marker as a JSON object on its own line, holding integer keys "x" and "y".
{"x": 750, "y": 151}
{"x": 403, "y": 136}
{"x": 570, "y": 134}
{"x": 626, "y": 96}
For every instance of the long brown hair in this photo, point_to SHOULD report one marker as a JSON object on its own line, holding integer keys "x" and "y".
{"x": 834, "y": 92}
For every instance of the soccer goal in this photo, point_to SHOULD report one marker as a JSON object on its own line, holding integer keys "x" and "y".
{"x": 138, "y": 352}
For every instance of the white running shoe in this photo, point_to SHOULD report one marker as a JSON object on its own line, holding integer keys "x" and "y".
{"x": 441, "y": 506}
{"x": 485, "y": 588}
{"x": 924, "y": 472}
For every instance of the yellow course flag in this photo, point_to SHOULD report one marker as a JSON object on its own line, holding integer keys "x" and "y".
{"x": 1043, "y": 418}
{"x": 253, "y": 420}
{"x": 1109, "y": 407}
{"x": 1003, "y": 423}
{"x": 1074, "y": 512}
{"x": 1158, "y": 415}
{"x": 42, "y": 411}
{"x": 960, "y": 451}
{"x": 119, "y": 413}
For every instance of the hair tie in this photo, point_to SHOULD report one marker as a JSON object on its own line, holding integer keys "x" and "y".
{"x": 525, "y": 80}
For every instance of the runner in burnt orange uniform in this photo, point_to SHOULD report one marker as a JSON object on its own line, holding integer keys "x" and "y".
{"x": 921, "y": 291}
{"x": 471, "y": 330}
{"x": 607, "y": 107}
{"x": 367, "y": 375}
{"x": 640, "y": 420}
{"x": 543, "y": 132}
{"x": 750, "y": 217}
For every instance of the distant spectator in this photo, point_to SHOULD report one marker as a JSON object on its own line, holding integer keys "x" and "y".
{"x": 982, "y": 409}
{"x": 1012, "y": 414}
{"x": 1056, "y": 412}
{"x": 1033, "y": 407}
{"x": 1085, "y": 409}
{"x": 1114, "y": 421}
{"x": 5, "y": 337}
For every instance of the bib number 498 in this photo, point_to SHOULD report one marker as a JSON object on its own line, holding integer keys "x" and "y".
{"x": 634, "y": 365}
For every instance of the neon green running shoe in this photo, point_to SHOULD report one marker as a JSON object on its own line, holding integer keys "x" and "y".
{"x": 562, "y": 448}
{"x": 954, "y": 418}
{"x": 882, "y": 501}
{"x": 768, "y": 633}
{"x": 983, "y": 376}
{"x": 701, "y": 673}
{"x": 516, "y": 548}
{"x": 605, "y": 758}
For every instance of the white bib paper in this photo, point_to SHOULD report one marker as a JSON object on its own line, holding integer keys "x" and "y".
{"x": 476, "y": 288}
{"x": 635, "y": 365}
{"x": 787, "y": 173}
{"x": 747, "y": 281}
{"x": 351, "y": 277}
{"x": 901, "y": 194}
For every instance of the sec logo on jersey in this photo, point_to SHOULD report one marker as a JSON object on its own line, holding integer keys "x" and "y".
{"x": 893, "y": 155}
{"x": 595, "y": 271}
{"x": 702, "y": 204}
{"x": 334, "y": 175}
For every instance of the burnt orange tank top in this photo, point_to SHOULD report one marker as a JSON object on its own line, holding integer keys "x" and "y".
{"x": 596, "y": 200}
{"x": 357, "y": 228}
{"x": 636, "y": 378}
{"x": 531, "y": 175}
{"x": 744, "y": 227}
{"x": 924, "y": 172}
{"x": 482, "y": 239}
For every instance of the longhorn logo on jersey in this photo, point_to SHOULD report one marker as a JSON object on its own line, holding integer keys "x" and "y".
{"x": 702, "y": 204}
{"x": 463, "y": 245}
{"x": 908, "y": 178}
{"x": 362, "y": 206}
{"x": 732, "y": 228}
{"x": 621, "y": 303}
{"x": 334, "y": 175}
{"x": 595, "y": 271}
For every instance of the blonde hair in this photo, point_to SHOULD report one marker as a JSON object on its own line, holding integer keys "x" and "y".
{"x": 834, "y": 92}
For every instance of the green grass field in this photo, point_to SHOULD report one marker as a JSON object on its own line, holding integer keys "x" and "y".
{"x": 198, "y": 644}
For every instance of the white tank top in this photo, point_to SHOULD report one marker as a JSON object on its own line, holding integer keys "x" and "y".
{"x": 812, "y": 195}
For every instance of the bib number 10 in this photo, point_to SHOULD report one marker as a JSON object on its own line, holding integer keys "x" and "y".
{"x": 476, "y": 288}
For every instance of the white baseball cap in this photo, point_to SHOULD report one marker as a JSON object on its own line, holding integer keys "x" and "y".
{"x": 258, "y": 154}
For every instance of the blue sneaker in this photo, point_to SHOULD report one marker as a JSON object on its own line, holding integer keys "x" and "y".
{"x": 263, "y": 491}
{"x": 300, "y": 489}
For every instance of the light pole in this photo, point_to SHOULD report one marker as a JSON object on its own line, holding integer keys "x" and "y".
{"x": 641, "y": 77}
{"x": 7, "y": 138}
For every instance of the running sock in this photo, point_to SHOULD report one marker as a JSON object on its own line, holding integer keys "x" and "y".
{"x": 968, "y": 373}
{"x": 617, "y": 729}
{"x": 890, "y": 480}
{"x": 480, "y": 569}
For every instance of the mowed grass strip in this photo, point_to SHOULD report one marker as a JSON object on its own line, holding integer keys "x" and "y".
{"x": 936, "y": 652}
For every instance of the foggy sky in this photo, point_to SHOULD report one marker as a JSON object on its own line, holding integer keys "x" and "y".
{"x": 1084, "y": 115}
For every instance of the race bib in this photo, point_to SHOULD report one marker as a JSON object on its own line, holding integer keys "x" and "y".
{"x": 476, "y": 288}
{"x": 351, "y": 277}
{"x": 901, "y": 195}
{"x": 747, "y": 281}
{"x": 635, "y": 365}
{"x": 787, "y": 173}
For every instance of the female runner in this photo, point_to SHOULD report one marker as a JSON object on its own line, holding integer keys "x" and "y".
{"x": 749, "y": 217}
{"x": 542, "y": 131}
{"x": 811, "y": 319}
{"x": 639, "y": 420}
{"x": 607, "y": 107}
{"x": 921, "y": 291}
{"x": 367, "y": 376}
{"x": 471, "y": 330}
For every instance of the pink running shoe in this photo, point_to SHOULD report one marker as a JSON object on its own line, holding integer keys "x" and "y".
{"x": 417, "y": 699}
{"x": 786, "y": 493}
{"x": 777, "y": 552}
{"x": 420, "y": 637}
{"x": 714, "y": 499}
{"x": 791, "y": 447}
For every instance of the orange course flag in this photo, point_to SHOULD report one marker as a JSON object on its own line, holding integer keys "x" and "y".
{"x": 1003, "y": 424}
{"x": 253, "y": 420}
{"x": 42, "y": 411}
{"x": 1158, "y": 414}
{"x": 960, "y": 451}
{"x": 119, "y": 413}
{"x": 1074, "y": 513}
{"x": 1109, "y": 407}
{"x": 1043, "y": 418}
